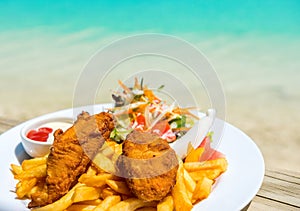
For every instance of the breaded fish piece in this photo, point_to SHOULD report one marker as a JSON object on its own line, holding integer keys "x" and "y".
{"x": 71, "y": 154}
{"x": 149, "y": 165}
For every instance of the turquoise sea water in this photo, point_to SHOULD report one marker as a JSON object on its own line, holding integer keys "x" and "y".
{"x": 44, "y": 40}
{"x": 234, "y": 17}
{"x": 253, "y": 45}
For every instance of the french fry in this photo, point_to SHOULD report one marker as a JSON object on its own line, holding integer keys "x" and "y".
{"x": 91, "y": 171}
{"x": 95, "y": 202}
{"x": 35, "y": 172}
{"x": 40, "y": 188}
{"x": 115, "y": 157}
{"x": 111, "y": 143}
{"x": 107, "y": 203}
{"x": 220, "y": 163}
{"x": 118, "y": 186}
{"x": 167, "y": 204}
{"x": 18, "y": 184}
{"x": 28, "y": 164}
{"x": 25, "y": 187}
{"x": 190, "y": 184}
{"x": 81, "y": 207}
{"x": 188, "y": 181}
{"x": 118, "y": 149}
{"x": 131, "y": 204}
{"x": 16, "y": 169}
{"x": 108, "y": 192}
{"x": 202, "y": 190}
{"x": 104, "y": 163}
{"x": 146, "y": 209}
{"x": 85, "y": 193}
{"x": 210, "y": 169}
{"x": 210, "y": 174}
{"x": 32, "y": 191}
{"x": 179, "y": 192}
{"x": 194, "y": 154}
{"x": 62, "y": 203}
{"x": 115, "y": 146}
{"x": 108, "y": 151}
{"x": 96, "y": 180}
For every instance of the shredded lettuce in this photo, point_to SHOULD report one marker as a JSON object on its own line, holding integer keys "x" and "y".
{"x": 178, "y": 122}
{"x": 210, "y": 135}
{"x": 119, "y": 134}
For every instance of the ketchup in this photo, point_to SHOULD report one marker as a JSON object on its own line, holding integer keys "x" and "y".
{"x": 41, "y": 134}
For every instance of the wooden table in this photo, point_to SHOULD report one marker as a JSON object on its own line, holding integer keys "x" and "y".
{"x": 280, "y": 189}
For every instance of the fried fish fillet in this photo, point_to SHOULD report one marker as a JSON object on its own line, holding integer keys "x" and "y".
{"x": 71, "y": 154}
{"x": 149, "y": 165}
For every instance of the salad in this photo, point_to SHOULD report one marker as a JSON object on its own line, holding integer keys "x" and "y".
{"x": 138, "y": 108}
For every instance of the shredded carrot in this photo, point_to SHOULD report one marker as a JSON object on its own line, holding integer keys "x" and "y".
{"x": 185, "y": 111}
{"x": 126, "y": 89}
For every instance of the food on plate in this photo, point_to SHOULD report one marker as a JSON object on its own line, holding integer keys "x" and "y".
{"x": 70, "y": 155}
{"x": 149, "y": 165}
{"x": 98, "y": 189}
{"x": 139, "y": 108}
{"x": 166, "y": 204}
{"x": 122, "y": 160}
{"x": 180, "y": 193}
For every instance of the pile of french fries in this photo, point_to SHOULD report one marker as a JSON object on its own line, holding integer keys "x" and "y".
{"x": 99, "y": 190}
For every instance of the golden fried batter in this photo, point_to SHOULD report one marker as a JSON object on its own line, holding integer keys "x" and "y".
{"x": 149, "y": 165}
{"x": 71, "y": 153}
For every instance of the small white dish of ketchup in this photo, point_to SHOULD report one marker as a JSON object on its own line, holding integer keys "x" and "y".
{"x": 37, "y": 137}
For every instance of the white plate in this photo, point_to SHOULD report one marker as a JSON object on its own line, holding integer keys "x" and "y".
{"x": 233, "y": 191}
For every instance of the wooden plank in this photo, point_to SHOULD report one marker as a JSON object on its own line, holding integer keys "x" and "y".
{"x": 260, "y": 203}
{"x": 281, "y": 187}
{"x": 286, "y": 175}
{"x": 280, "y": 191}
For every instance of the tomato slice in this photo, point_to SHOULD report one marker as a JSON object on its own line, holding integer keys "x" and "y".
{"x": 139, "y": 123}
{"x": 161, "y": 127}
{"x": 140, "y": 119}
{"x": 209, "y": 153}
{"x": 169, "y": 135}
